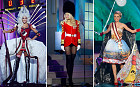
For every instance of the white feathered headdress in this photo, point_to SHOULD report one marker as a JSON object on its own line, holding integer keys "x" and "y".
{"x": 23, "y": 12}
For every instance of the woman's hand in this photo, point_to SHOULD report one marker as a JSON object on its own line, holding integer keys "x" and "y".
{"x": 101, "y": 34}
{"x": 62, "y": 47}
{"x": 4, "y": 31}
{"x": 138, "y": 30}
{"x": 28, "y": 38}
{"x": 78, "y": 47}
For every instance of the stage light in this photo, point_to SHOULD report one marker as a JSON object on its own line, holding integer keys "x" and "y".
{"x": 15, "y": 5}
{"x": 32, "y": 1}
{"x": 10, "y": 3}
{"x": 21, "y": 2}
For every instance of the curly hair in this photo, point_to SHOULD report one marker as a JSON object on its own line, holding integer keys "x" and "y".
{"x": 72, "y": 20}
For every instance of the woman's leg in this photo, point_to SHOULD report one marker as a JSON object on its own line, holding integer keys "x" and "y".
{"x": 73, "y": 55}
{"x": 16, "y": 65}
{"x": 114, "y": 72}
{"x": 68, "y": 62}
{"x": 27, "y": 67}
{"x": 68, "y": 50}
{"x": 74, "y": 50}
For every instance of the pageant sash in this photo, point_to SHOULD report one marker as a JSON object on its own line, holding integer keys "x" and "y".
{"x": 117, "y": 35}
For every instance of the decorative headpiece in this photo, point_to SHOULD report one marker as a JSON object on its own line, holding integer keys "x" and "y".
{"x": 23, "y": 12}
{"x": 69, "y": 7}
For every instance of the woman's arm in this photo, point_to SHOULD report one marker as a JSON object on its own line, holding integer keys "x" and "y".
{"x": 63, "y": 33}
{"x": 109, "y": 28}
{"x": 128, "y": 29}
{"x": 37, "y": 33}
{"x": 10, "y": 30}
{"x": 78, "y": 33}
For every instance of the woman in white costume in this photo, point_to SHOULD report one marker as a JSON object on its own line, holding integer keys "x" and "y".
{"x": 30, "y": 47}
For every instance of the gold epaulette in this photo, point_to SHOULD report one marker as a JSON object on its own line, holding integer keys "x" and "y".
{"x": 62, "y": 42}
{"x": 78, "y": 26}
{"x": 62, "y": 23}
{"x": 78, "y": 22}
{"x": 79, "y": 41}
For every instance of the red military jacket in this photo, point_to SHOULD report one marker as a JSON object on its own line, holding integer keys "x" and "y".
{"x": 70, "y": 34}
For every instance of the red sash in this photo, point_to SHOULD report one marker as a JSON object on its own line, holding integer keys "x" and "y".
{"x": 117, "y": 35}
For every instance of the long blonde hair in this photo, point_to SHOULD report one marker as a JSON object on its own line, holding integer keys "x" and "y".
{"x": 72, "y": 20}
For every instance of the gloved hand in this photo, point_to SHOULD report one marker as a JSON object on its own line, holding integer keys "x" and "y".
{"x": 62, "y": 47}
{"x": 138, "y": 30}
{"x": 78, "y": 47}
{"x": 33, "y": 26}
{"x": 101, "y": 34}
{"x": 16, "y": 25}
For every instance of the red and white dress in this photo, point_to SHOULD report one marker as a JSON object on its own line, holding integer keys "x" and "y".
{"x": 33, "y": 48}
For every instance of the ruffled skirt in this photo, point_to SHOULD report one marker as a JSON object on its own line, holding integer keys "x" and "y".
{"x": 35, "y": 48}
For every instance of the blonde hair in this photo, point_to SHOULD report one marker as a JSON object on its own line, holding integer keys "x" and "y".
{"x": 119, "y": 13}
{"x": 72, "y": 20}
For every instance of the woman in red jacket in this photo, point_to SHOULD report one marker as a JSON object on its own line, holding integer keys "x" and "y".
{"x": 70, "y": 38}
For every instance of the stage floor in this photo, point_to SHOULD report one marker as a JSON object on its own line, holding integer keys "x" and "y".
{"x": 121, "y": 85}
{"x": 70, "y": 86}
{"x": 23, "y": 85}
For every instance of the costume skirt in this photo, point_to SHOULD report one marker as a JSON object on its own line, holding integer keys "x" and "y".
{"x": 130, "y": 73}
{"x": 112, "y": 53}
{"x": 35, "y": 48}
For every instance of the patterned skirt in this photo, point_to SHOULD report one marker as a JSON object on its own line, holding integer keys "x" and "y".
{"x": 112, "y": 53}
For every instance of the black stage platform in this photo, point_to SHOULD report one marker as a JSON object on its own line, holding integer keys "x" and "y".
{"x": 23, "y": 85}
{"x": 40, "y": 85}
{"x": 69, "y": 86}
{"x": 120, "y": 85}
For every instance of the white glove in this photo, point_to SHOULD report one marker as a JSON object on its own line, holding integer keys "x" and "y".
{"x": 78, "y": 47}
{"x": 62, "y": 47}
{"x": 33, "y": 26}
{"x": 15, "y": 25}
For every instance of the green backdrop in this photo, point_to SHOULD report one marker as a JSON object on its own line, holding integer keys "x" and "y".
{"x": 130, "y": 13}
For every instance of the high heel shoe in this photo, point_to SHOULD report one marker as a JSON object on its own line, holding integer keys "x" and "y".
{"x": 116, "y": 84}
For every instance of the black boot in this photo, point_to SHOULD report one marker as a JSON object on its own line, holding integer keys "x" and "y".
{"x": 27, "y": 61}
{"x": 69, "y": 68}
{"x": 15, "y": 68}
{"x": 73, "y": 58}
